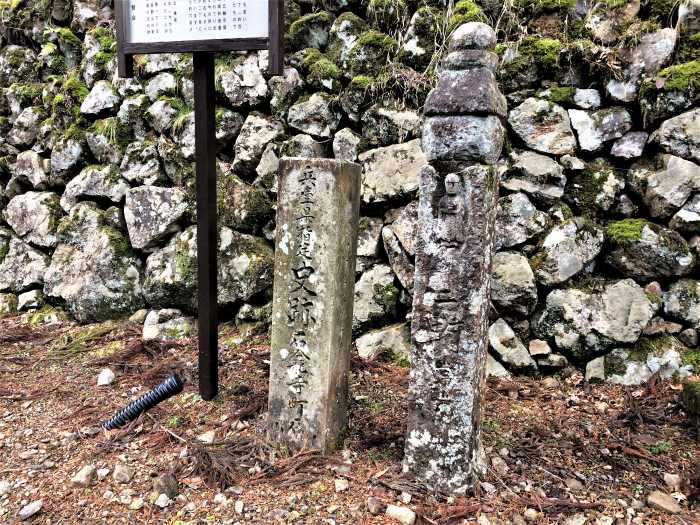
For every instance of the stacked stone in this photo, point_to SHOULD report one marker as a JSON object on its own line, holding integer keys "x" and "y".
{"x": 462, "y": 137}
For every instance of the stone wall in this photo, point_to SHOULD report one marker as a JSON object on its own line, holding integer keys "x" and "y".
{"x": 597, "y": 217}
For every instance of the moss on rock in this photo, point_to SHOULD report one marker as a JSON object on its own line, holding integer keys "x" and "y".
{"x": 310, "y": 31}
{"x": 625, "y": 231}
{"x": 370, "y": 54}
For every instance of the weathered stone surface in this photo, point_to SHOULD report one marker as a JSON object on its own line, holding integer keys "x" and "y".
{"x": 67, "y": 157}
{"x": 566, "y": 250}
{"x": 398, "y": 259}
{"x": 376, "y": 298}
{"x": 26, "y": 128}
{"x": 391, "y": 172}
{"x": 382, "y": 126}
{"x": 167, "y": 326}
{"x": 314, "y": 116}
{"x": 537, "y": 175}
{"x": 585, "y": 322}
{"x": 509, "y": 347}
{"x": 666, "y": 184}
{"x": 152, "y": 213}
{"x": 664, "y": 502}
{"x": 257, "y": 132}
{"x": 595, "y": 128}
{"x": 471, "y": 59}
{"x": 457, "y": 213}
{"x": 303, "y": 146}
{"x": 101, "y": 98}
{"x": 405, "y": 227}
{"x": 21, "y": 267}
{"x": 543, "y": 126}
{"x": 141, "y": 163}
{"x": 682, "y": 301}
{"x": 635, "y": 366}
{"x": 392, "y": 341}
{"x": 243, "y": 83}
{"x": 93, "y": 269}
{"x": 631, "y": 145}
{"x": 647, "y": 251}
{"x": 31, "y": 167}
{"x": 463, "y": 138}
{"x": 469, "y": 91}
{"x": 241, "y": 206}
{"x": 517, "y": 221}
{"x": 687, "y": 219}
{"x": 34, "y": 216}
{"x": 496, "y": 369}
{"x": 95, "y": 182}
{"x": 513, "y": 286}
{"x": 162, "y": 84}
{"x": 31, "y": 300}
{"x": 245, "y": 269}
{"x": 161, "y": 115}
{"x": 284, "y": 90}
{"x": 473, "y": 35}
{"x": 18, "y": 64}
{"x": 346, "y": 145}
{"x": 681, "y": 135}
{"x": 312, "y": 304}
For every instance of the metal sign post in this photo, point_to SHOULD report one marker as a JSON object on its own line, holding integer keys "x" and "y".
{"x": 202, "y": 27}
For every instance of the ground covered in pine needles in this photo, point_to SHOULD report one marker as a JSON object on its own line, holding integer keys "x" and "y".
{"x": 562, "y": 451}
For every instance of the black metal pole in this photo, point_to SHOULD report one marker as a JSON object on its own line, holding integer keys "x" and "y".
{"x": 205, "y": 156}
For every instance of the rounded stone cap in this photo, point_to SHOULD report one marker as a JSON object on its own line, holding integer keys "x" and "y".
{"x": 473, "y": 35}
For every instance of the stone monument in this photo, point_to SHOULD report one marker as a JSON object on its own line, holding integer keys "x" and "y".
{"x": 317, "y": 220}
{"x": 458, "y": 192}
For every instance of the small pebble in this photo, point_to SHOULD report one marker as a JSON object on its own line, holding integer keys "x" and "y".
{"x": 374, "y": 506}
{"x": 163, "y": 501}
{"x": 30, "y": 510}
{"x": 403, "y": 515}
{"x": 122, "y": 473}
{"x": 341, "y": 485}
{"x": 239, "y": 506}
{"x": 84, "y": 477}
{"x": 106, "y": 377}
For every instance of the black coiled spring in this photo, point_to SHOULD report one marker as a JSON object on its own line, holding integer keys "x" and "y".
{"x": 168, "y": 388}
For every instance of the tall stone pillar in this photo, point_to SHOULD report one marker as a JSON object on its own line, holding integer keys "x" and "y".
{"x": 462, "y": 139}
{"x": 317, "y": 219}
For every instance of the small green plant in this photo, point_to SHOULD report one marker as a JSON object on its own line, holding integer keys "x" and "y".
{"x": 662, "y": 447}
{"x": 173, "y": 422}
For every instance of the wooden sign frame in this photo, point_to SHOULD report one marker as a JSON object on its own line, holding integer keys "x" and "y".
{"x": 274, "y": 42}
{"x": 205, "y": 158}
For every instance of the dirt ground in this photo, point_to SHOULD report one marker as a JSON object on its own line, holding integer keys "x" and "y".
{"x": 572, "y": 453}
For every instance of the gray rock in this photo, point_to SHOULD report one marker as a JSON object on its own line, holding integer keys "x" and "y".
{"x": 18, "y": 64}
{"x": 84, "y": 477}
{"x": 660, "y": 501}
{"x": 662, "y": 356}
{"x": 517, "y": 221}
{"x": 375, "y": 298}
{"x": 587, "y": 98}
{"x": 646, "y": 251}
{"x": 496, "y": 369}
{"x": 595, "y": 370}
{"x": 31, "y": 167}
{"x": 30, "y": 510}
{"x": 141, "y": 164}
{"x": 347, "y": 145}
{"x": 245, "y": 266}
{"x": 102, "y": 97}
{"x": 687, "y": 219}
{"x": 95, "y": 182}
{"x": 31, "y": 300}
{"x": 584, "y": 322}
{"x": 257, "y": 132}
{"x": 314, "y": 116}
{"x": 394, "y": 341}
{"x": 398, "y": 259}
{"x": 131, "y": 114}
{"x": 161, "y": 115}
{"x": 509, "y": 347}
{"x": 391, "y": 172}
{"x": 595, "y": 188}
{"x": 34, "y": 216}
{"x": 689, "y": 337}
{"x": 22, "y": 266}
{"x": 303, "y": 146}
{"x": 105, "y": 148}
{"x": 543, "y": 126}
{"x": 122, "y": 473}
{"x": 228, "y": 125}
{"x": 537, "y": 175}
{"x": 513, "y": 286}
{"x": 243, "y": 83}
{"x": 630, "y": 146}
{"x": 464, "y": 92}
{"x": 680, "y": 135}
{"x": 463, "y": 138}
{"x": 183, "y": 133}
{"x": 682, "y": 301}
{"x": 595, "y": 128}
{"x": 26, "y": 128}
{"x": 382, "y": 126}
{"x": 241, "y": 206}
{"x": 368, "y": 242}
{"x": 162, "y": 84}
{"x": 152, "y": 213}
{"x": 405, "y": 226}
{"x": 284, "y": 90}
{"x": 67, "y": 157}
{"x": 251, "y": 320}
{"x": 167, "y": 326}
{"x": 93, "y": 269}
{"x": 666, "y": 184}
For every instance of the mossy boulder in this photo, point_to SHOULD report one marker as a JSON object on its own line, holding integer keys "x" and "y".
{"x": 344, "y": 33}
{"x": 23, "y": 21}
{"x": 465, "y": 11}
{"x": 532, "y": 60}
{"x": 419, "y": 45}
{"x": 241, "y": 206}
{"x": 675, "y": 89}
{"x": 386, "y": 14}
{"x": 100, "y": 54}
{"x": 310, "y": 31}
{"x": 18, "y": 64}
{"x": 370, "y": 53}
{"x": 646, "y": 251}
{"x": 93, "y": 269}
{"x": 682, "y": 301}
{"x": 635, "y": 365}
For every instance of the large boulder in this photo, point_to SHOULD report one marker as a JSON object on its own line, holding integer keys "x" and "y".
{"x": 539, "y": 176}
{"x": 314, "y": 116}
{"x": 34, "y": 216}
{"x": 242, "y": 82}
{"x": 566, "y": 251}
{"x": 513, "y": 286}
{"x": 257, "y": 132}
{"x": 21, "y": 266}
{"x": 152, "y": 213}
{"x": 646, "y": 251}
{"x": 141, "y": 163}
{"x": 584, "y": 322}
{"x": 30, "y": 167}
{"x": 665, "y": 183}
{"x": 543, "y": 126}
{"x": 659, "y": 355}
{"x": 393, "y": 342}
{"x": 517, "y": 221}
{"x": 391, "y": 172}
{"x": 245, "y": 269}
{"x": 93, "y": 268}
{"x": 681, "y": 135}
{"x": 95, "y": 182}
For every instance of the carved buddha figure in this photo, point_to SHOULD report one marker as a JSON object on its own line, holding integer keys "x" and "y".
{"x": 450, "y": 225}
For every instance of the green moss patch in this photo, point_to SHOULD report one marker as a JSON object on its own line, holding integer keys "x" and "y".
{"x": 625, "y": 231}
{"x": 466, "y": 11}
{"x": 540, "y": 7}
